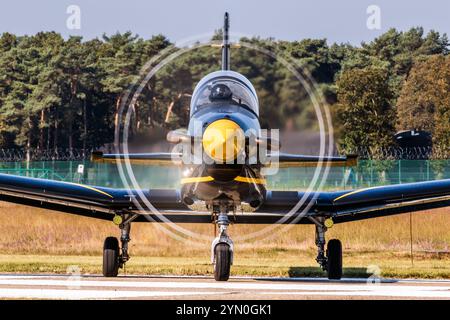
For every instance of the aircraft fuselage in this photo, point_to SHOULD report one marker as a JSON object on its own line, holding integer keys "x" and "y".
{"x": 234, "y": 177}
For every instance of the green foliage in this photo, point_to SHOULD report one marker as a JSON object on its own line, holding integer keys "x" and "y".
{"x": 364, "y": 108}
{"x": 61, "y": 93}
{"x": 424, "y": 101}
{"x": 394, "y": 54}
{"x": 65, "y": 93}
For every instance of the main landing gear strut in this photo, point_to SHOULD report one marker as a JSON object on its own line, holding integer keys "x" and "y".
{"x": 331, "y": 260}
{"x": 115, "y": 257}
{"x": 222, "y": 246}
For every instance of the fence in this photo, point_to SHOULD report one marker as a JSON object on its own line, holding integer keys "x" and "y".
{"x": 400, "y": 153}
{"x": 11, "y": 155}
{"x": 367, "y": 173}
{"x": 364, "y": 153}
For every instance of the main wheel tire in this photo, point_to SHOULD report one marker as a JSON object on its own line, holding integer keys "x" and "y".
{"x": 223, "y": 262}
{"x": 111, "y": 257}
{"x": 334, "y": 257}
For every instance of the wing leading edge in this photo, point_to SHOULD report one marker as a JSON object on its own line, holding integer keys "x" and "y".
{"x": 287, "y": 160}
{"x": 284, "y": 160}
{"x": 342, "y": 206}
{"x": 161, "y": 158}
{"x": 92, "y": 201}
{"x": 365, "y": 203}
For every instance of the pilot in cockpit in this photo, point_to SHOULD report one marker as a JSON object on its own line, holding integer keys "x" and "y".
{"x": 220, "y": 92}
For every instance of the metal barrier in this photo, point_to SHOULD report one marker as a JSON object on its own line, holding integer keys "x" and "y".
{"x": 44, "y": 154}
{"x": 399, "y": 153}
{"x": 367, "y": 173}
{"x": 364, "y": 153}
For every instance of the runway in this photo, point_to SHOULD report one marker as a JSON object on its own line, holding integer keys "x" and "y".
{"x": 14, "y": 286}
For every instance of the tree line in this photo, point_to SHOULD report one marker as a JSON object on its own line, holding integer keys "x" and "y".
{"x": 66, "y": 93}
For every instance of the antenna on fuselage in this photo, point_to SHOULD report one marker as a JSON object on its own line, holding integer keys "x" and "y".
{"x": 226, "y": 43}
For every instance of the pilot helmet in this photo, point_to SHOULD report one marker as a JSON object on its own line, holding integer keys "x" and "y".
{"x": 220, "y": 92}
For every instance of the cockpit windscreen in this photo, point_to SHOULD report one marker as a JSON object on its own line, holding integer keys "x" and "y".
{"x": 222, "y": 90}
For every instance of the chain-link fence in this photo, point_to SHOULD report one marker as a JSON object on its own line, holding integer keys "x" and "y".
{"x": 64, "y": 165}
{"x": 366, "y": 174}
{"x": 364, "y": 153}
{"x": 400, "y": 153}
{"x": 11, "y": 155}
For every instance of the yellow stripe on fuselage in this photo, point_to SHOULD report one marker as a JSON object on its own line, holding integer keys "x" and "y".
{"x": 197, "y": 179}
{"x": 354, "y": 192}
{"x": 250, "y": 180}
{"x": 91, "y": 188}
{"x": 209, "y": 178}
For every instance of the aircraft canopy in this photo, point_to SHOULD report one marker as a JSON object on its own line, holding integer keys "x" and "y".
{"x": 212, "y": 88}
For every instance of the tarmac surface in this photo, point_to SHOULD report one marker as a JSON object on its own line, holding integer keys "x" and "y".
{"x": 29, "y": 286}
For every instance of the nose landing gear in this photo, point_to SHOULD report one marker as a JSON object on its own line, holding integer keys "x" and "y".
{"x": 222, "y": 247}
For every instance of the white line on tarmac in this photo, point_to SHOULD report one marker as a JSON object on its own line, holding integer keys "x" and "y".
{"x": 14, "y": 293}
{"x": 66, "y": 288}
{"x": 67, "y": 292}
{"x": 371, "y": 289}
{"x": 278, "y": 279}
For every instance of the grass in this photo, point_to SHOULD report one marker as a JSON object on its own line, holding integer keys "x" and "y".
{"x": 287, "y": 264}
{"x": 36, "y": 240}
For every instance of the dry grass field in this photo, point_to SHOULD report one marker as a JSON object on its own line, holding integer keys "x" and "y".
{"x": 39, "y": 240}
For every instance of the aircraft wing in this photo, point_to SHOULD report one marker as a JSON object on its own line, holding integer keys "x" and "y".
{"x": 287, "y": 160}
{"x": 96, "y": 202}
{"x": 161, "y": 158}
{"x": 344, "y": 206}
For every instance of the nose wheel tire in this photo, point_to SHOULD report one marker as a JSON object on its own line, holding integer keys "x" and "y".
{"x": 111, "y": 257}
{"x": 334, "y": 259}
{"x": 222, "y": 262}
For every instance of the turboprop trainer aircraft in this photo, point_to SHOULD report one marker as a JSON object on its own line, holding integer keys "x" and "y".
{"x": 224, "y": 182}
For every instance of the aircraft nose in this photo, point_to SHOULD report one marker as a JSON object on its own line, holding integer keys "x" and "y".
{"x": 223, "y": 140}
